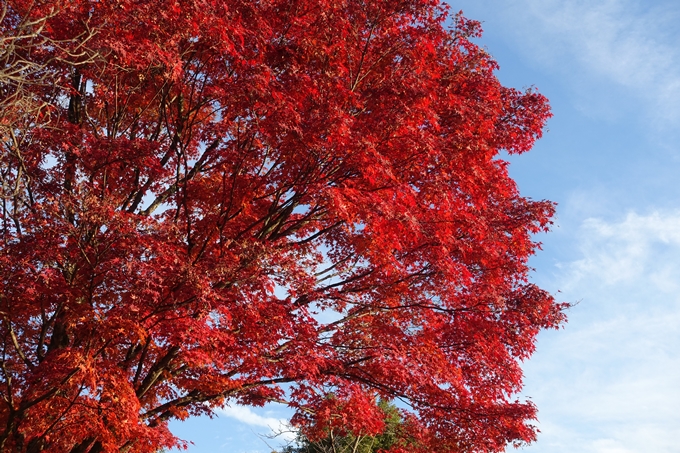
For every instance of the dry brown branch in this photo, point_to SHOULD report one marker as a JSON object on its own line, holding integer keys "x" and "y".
{"x": 30, "y": 85}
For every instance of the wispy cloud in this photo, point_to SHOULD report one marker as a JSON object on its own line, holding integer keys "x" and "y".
{"x": 608, "y": 383}
{"x": 637, "y": 247}
{"x": 277, "y": 426}
{"x": 620, "y": 43}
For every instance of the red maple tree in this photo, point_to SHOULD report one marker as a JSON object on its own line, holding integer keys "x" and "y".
{"x": 253, "y": 201}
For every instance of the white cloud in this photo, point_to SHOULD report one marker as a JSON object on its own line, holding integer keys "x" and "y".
{"x": 608, "y": 446}
{"x": 622, "y": 252}
{"x": 601, "y": 44}
{"x": 243, "y": 414}
{"x": 608, "y": 382}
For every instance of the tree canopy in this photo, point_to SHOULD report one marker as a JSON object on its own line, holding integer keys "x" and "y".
{"x": 392, "y": 436}
{"x": 212, "y": 201}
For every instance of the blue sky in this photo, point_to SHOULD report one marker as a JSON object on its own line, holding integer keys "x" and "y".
{"x": 609, "y": 382}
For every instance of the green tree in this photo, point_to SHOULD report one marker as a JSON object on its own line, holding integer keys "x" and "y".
{"x": 340, "y": 442}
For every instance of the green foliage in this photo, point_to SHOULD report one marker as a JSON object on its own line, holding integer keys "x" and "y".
{"x": 355, "y": 443}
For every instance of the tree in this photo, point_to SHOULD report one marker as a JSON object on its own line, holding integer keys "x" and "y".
{"x": 281, "y": 200}
{"x": 392, "y": 435}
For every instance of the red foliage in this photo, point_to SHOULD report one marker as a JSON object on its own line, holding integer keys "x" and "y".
{"x": 295, "y": 200}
